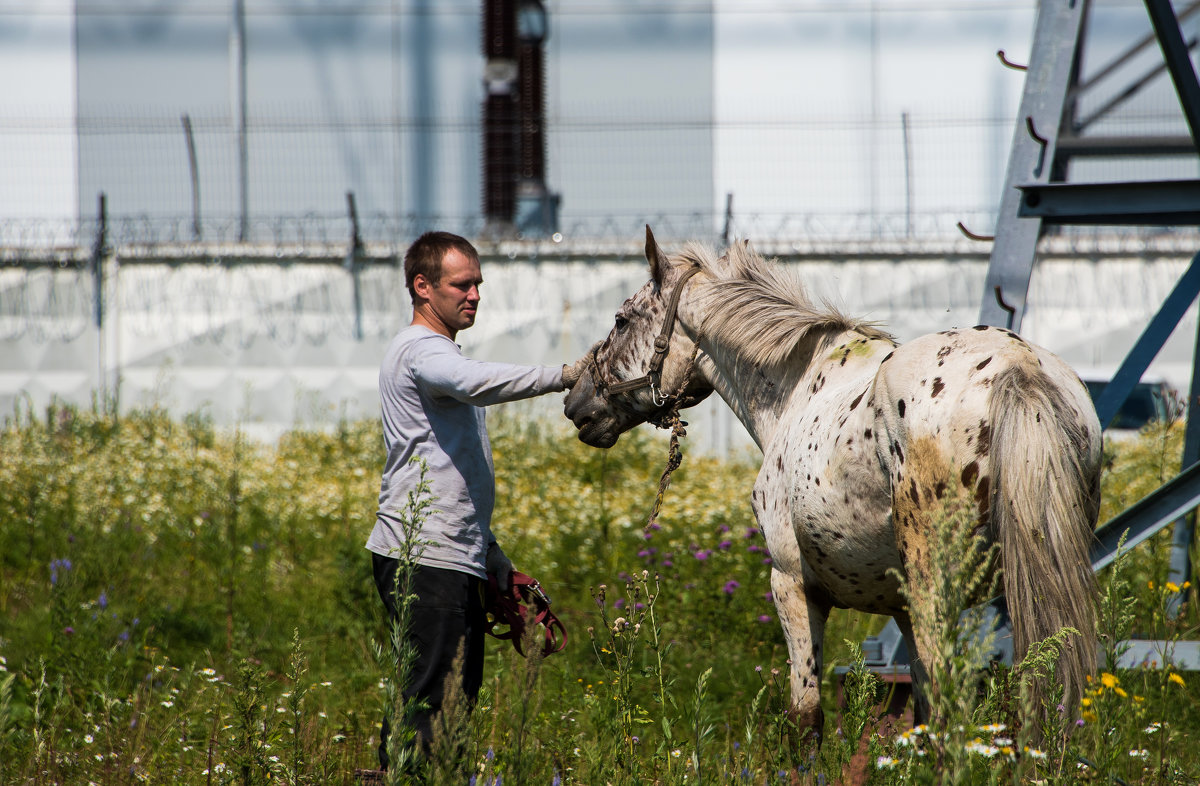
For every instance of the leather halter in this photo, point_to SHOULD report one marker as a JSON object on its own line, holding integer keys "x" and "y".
{"x": 509, "y": 607}
{"x": 662, "y": 343}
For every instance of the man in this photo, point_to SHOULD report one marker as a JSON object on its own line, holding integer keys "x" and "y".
{"x": 431, "y": 398}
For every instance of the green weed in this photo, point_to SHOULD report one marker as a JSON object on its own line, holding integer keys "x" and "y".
{"x": 181, "y": 605}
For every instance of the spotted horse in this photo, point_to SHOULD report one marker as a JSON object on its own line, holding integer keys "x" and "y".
{"x": 863, "y": 440}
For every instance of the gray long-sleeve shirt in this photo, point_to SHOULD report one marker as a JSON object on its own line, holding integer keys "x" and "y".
{"x": 431, "y": 398}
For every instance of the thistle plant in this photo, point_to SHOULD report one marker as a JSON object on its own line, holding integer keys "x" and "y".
{"x": 297, "y": 755}
{"x": 405, "y": 763}
{"x": 250, "y": 739}
{"x": 450, "y": 749}
{"x": 856, "y": 744}
{"x": 701, "y": 726}
{"x": 528, "y": 704}
{"x": 961, "y": 572}
{"x": 618, "y": 647}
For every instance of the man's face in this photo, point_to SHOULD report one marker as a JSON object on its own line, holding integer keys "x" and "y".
{"x": 455, "y": 299}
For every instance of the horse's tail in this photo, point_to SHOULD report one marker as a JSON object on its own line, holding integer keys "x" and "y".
{"x": 1044, "y": 502}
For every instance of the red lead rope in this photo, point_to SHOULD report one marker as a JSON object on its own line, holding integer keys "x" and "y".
{"x": 508, "y": 607}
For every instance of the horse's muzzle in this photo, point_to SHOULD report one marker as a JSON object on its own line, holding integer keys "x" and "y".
{"x": 589, "y": 412}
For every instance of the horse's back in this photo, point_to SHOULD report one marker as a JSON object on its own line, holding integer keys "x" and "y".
{"x": 938, "y": 391}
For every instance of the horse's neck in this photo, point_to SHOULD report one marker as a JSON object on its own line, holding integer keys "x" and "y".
{"x": 759, "y": 396}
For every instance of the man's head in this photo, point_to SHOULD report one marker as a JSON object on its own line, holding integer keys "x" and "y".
{"x": 443, "y": 278}
{"x": 424, "y": 257}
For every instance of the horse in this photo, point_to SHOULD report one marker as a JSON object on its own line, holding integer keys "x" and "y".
{"x": 862, "y": 439}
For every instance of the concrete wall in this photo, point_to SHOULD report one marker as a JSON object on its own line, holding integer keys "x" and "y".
{"x": 272, "y": 346}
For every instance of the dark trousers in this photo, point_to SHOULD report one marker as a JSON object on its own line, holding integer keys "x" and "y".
{"x": 448, "y": 611}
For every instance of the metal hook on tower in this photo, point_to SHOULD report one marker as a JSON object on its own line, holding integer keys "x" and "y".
{"x": 973, "y": 236}
{"x": 1042, "y": 143}
{"x": 1008, "y": 63}
{"x": 1010, "y": 310}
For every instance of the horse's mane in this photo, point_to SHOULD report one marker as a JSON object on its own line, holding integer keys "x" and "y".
{"x": 760, "y": 307}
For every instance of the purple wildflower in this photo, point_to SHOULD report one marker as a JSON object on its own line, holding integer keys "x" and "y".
{"x": 55, "y": 566}
{"x": 730, "y": 586}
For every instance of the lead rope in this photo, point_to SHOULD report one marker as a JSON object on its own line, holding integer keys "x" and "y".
{"x": 678, "y": 428}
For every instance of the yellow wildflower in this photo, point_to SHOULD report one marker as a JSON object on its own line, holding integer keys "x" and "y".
{"x": 1086, "y": 702}
{"x": 1173, "y": 677}
{"x": 1109, "y": 680}
{"x": 1090, "y": 717}
{"x": 1121, "y": 692}
{"x": 1172, "y": 587}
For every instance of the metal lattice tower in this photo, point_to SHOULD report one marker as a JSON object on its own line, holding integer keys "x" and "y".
{"x": 1039, "y": 196}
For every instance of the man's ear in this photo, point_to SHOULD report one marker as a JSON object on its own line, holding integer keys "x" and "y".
{"x": 421, "y": 286}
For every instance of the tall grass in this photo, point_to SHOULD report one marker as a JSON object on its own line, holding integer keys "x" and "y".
{"x": 181, "y": 605}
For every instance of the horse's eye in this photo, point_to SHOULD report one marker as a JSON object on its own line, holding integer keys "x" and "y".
{"x": 621, "y": 322}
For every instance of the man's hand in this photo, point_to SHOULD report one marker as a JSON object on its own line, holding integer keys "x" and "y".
{"x": 573, "y": 372}
{"x": 498, "y": 564}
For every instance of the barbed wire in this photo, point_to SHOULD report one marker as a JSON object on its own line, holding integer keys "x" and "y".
{"x": 184, "y": 240}
{"x": 311, "y": 286}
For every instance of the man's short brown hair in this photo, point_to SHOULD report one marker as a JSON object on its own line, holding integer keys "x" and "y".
{"x": 424, "y": 257}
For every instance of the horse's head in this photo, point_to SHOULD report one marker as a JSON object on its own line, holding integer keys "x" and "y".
{"x": 646, "y": 368}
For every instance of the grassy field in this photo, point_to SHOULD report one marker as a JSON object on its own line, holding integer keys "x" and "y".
{"x": 181, "y": 605}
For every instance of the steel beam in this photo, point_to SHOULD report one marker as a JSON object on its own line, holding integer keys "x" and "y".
{"x": 1097, "y": 146}
{"x": 1173, "y": 499}
{"x": 1179, "y": 64}
{"x": 1146, "y": 348}
{"x": 1156, "y": 202}
{"x": 1157, "y": 654}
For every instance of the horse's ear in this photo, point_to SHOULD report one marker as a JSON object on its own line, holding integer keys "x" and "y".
{"x": 656, "y": 257}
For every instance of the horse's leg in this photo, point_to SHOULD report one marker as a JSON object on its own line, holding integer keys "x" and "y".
{"x": 803, "y": 622}
{"x": 920, "y": 675}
